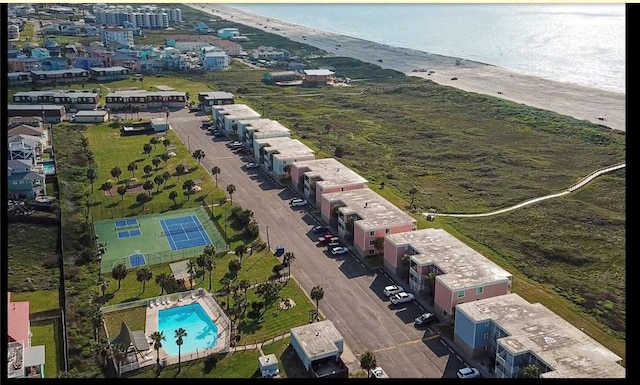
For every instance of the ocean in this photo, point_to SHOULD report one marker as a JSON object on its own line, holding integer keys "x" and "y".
{"x": 575, "y": 43}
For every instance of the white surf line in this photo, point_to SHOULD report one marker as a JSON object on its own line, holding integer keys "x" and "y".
{"x": 571, "y": 189}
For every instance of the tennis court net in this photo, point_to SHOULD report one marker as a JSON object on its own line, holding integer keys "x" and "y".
{"x": 182, "y": 231}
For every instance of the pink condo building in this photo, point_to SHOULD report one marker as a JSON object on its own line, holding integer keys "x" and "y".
{"x": 314, "y": 178}
{"x": 461, "y": 273}
{"x": 362, "y": 216}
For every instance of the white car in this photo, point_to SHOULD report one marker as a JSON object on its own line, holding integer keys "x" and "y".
{"x": 297, "y": 202}
{"x": 339, "y": 250}
{"x": 252, "y": 165}
{"x": 401, "y": 298}
{"x": 378, "y": 372}
{"x": 468, "y": 373}
{"x": 392, "y": 289}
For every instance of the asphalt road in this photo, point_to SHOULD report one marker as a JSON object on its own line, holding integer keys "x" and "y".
{"x": 353, "y": 298}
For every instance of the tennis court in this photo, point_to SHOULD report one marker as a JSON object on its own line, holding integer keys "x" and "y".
{"x": 156, "y": 238}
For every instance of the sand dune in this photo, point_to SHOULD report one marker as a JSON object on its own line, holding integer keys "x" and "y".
{"x": 580, "y": 102}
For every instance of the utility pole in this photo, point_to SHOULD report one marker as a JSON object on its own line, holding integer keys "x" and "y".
{"x": 268, "y": 244}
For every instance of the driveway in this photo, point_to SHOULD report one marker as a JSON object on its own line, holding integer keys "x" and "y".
{"x": 353, "y": 298}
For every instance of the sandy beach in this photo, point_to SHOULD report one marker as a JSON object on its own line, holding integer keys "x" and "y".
{"x": 580, "y": 102}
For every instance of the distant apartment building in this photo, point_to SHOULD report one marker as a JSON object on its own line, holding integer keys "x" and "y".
{"x": 109, "y": 74}
{"x": 70, "y": 100}
{"x": 71, "y": 75}
{"x": 113, "y": 38}
{"x": 18, "y": 78}
{"x": 269, "y": 53}
{"x": 226, "y": 117}
{"x": 515, "y": 334}
{"x": 215, "y": 61}
{"x": 146, "y": 101}
{"x": 23, "y": 64}
{"x": 214, "y": 98}
{"x": 314, "y": 178}
{"x": 49, "y": 113}
{"x": 228, "y": 33}
{"x": 250, "y": 130}
{"x": 364, "y": 218}
{"x": 317, "y": 77}
{"x": 446, "y": 268}
{"x": 147, "y": 17}
{"x": 277, "y": 154}
{"x": 13, "y": 32}
{"x": 193, "y": 43}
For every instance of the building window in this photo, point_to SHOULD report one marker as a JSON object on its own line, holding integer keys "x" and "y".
{"x": 461, "y": 294}
{"x": 386, "y": 231}
{"x": 486, "y": 336}
{"x": 486, "y": 324}
{"x": 372, "y": 233}
{"x": 372, "y": 243}
{"x": 479, "y": 290}
{"x": 444, "y": 313}
{"x": 371, "y": 252}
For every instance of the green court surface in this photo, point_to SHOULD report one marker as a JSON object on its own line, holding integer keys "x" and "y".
{"x": 136, "y": 241}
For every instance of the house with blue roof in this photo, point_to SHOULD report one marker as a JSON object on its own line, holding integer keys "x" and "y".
{"x": 40, "y": 53}
{"x": 24, "y": 183}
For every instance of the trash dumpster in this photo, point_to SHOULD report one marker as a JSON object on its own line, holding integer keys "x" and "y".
{"x": 279, "y": 251}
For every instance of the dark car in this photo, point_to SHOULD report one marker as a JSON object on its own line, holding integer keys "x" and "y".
{"x": 319, "y": 229}
{"x": 333, "y": 244}
{"x": 424, "y": 319}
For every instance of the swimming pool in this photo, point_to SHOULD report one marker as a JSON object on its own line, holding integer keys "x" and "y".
{"x": 202, "y": 332}
{"x": 48, "y": 168}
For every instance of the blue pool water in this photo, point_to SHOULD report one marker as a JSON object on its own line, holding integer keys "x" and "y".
{"x": 48, "y": 168}
{"x": 202, "y": 332}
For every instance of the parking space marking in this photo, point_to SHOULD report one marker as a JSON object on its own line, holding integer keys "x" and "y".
{"x": 397, "y": 346}
{"x": 431, "y": 337}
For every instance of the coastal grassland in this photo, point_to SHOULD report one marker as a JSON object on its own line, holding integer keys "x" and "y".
{"x": 49, "y": 334}
{"x": 135, "y": 318}
{"x": 240, "y": 364}
{"x": 39, "y": 300}
{"x": 33, "y": 256}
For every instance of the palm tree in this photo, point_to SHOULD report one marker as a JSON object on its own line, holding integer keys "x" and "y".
{"x": 379, "y": 245}
{"x": 210, "y": 250}
{"x": 106, "y": 187}
{"x": 103, "y": 349}
{"x": 165, "y": 177}
{"x": 188, "y": 186}
{"x": 132, "y": 167}
{"x": 154, "y": 140}
{"x": 116, "y": 172}
{"x": 215, "y": 170}
{"x": 103, "y": 286}
{"x": 317, "y": 293}
{"x": 157, "y": 338}
{"x": 368, "y": 362}
{"x": 198, "y": 155}
{"x": 209, "y": 264}
{"x": 147, "y": 170}
{"x": 231, "y": 189}
{"x": 180, "y": 169}
{"x": 147, "y": 149}
{"x": 226, "y": 286}
{"x": 200, "y": 262}
{"x": 412, "y": 192}
{"x": 244, "y": 285}
{"x": 240, "y": 251}
{"x": 144, "y": 275}
{"x": 156, "y": 162}
{"x": 122, "y": 190}
{"x": 234, "y": 266}
{"x": 148, "y": 186}
{"x": 180, "y": 333}
{"x": 288, "y": 259}
{"x": 161, "y": 280}
{"x": 173, "y": 195}
{"x": 166, "y": 143}
{"x": 96, "y": 320}
{"x": 120, "y": 354}
{"x": 92, "y": 175}
{"x": 158, "y": 180}
{"x": 119, "y": 272}
{"x": 191, "y": 269}
{"x": 165, "y": 158}
{"x": 141, "y": 198}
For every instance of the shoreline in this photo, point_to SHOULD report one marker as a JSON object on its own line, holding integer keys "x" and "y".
{"x": 580, "y": 102}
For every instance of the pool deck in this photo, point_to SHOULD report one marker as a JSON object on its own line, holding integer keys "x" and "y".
{"x": 151, "y": 326}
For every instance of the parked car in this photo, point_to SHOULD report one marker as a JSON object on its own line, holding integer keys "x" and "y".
{"x": 468, "y": 373}
{"x": 206, "y": 124}
{"x": 339, "y": 250}
{"x": 235, "y": 144}
{"x": 194, "y": 109}
{"x": 297, "y": 202}
{"x": 217, "y": 134}
{"x": 325, "y": 240}
{"x": 378, "y": 372}
{"x": 424, "y": 319}
{"x": 401, "y": 298}
{"x": 319, "y": 229}
{"x": 333, "y": 244}
{"x": 392, "y": 289}
{"x": 252, "y": 165}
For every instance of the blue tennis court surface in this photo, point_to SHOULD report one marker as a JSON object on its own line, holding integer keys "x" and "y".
{"x": 129, "y": 233}
{"x": 126, "y": 222}
{"x": 137, "y": 260}
{"x": 184, "y": 232}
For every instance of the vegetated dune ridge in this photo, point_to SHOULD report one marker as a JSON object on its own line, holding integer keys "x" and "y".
{"x": 580, "y": 102}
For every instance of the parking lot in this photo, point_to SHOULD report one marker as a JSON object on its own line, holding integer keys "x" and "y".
{"x": 354, "y": 299}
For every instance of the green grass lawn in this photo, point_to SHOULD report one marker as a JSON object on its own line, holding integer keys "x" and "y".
{"x": 242, "y": 364}
{"x": 134, "y": 317}
{"x": 32, "y": 265}
{"x": 38, "y": 300}
{"x": 49, "y": 334}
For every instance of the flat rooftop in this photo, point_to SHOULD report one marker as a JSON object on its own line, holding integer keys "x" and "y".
{"x": 463, "y": 267}
{"x": 45, "y": 107}
{"x": 375, "y": 211}
{"x": 57, "y": 93}
{"x": 264, "y": 127}
{"x": 284, "y": 147}
{"x": 329, "y": 172}
{"x": 236, "y": 110}
{"x": 318, "y": 339}
{"x": 532, "y": 328}
{"x": 143, "y": 93}
{"x": 216, "y": 95}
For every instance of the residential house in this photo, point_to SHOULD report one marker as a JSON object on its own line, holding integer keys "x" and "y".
{"x": 53, "y": 64}
{"x": 282, "y": 76}
{"x": 228, "y": 33}
{"x": 15, "y": 121}
{"x": 277, "y": 154}
{"x": 18, "y": 78}
{"x": 201, "y": 28}
{"x": 216, "y": 61}
{"x": 87, "y": 63}
{"x": 91, "y": 30}
{"x": 227, "y": 116}
{"x": 23, "y": 360}
{"x": 23, "y": 64}
{"x": 70, "y": 75}
{"x": 71, "y": 100}
{"x": 441, "y": 265}
{"x": 53, "y": 47}
{"x": 25, "y": 147}
{"x": 99, "y": 116}
{"x": 516, "y": 334}
{"x": 13, "y": 32}
{"x": 146, "y": 101}
{"x": 214, "y": 98}
{"x": 106, "y": 74}
{"x": 269, "y": 53}
{"x": 71, "y": 51}
{"x": 49, "y": 113}
{"x": 25, "y": 129}
{"x": 150, "y": 66}
{"x": 13, "y": 53}
{"x": 252, "y": 129}
{"x": 317, "y": 77}
{"x": 40, "y": 53}
{"x": 319, "y": 346}
{"x": 198, "y": 41}
{"x": 364, "y": 218}
{"x": 120, "y": 59}
{"x": 116, "y": 37}
{"x": 314, "y": 178}
{"x": 24, "y": 183}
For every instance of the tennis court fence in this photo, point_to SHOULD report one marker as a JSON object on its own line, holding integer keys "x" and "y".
{"x": 182, "y": 231}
